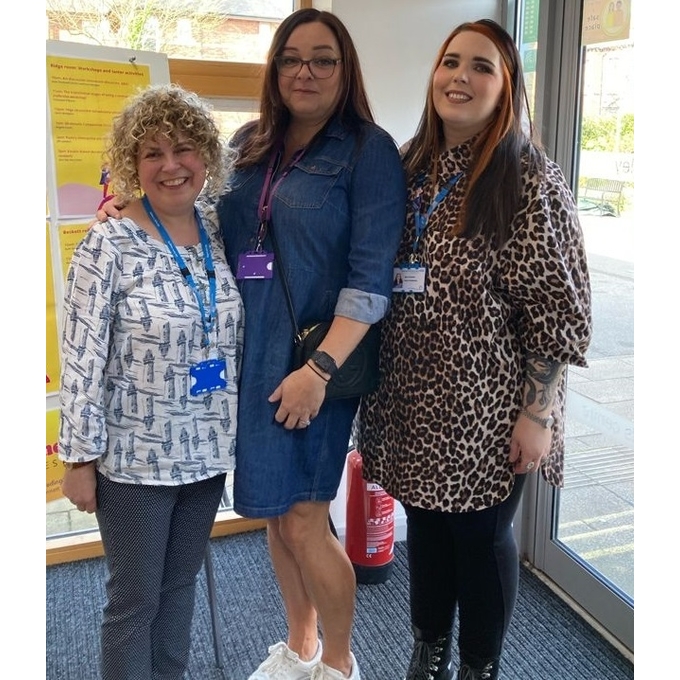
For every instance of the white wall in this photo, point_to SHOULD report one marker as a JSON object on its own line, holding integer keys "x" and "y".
{"x": 397, "y": 41}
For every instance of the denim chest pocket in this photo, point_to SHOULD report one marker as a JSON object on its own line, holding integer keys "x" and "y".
{"x": 310, "y": 184}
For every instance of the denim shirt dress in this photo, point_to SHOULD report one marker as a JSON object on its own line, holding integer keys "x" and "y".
{"x": 338, "y": 216}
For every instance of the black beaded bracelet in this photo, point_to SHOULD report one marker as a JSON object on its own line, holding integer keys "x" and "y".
{"x": 317, "y": 372}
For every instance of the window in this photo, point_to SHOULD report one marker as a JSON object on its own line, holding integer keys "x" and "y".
{"x": 584, "y": 534}
{"x": 210, "y": 30}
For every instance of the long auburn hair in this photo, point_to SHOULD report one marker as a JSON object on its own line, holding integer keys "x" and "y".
{"x": 353, "y": 107}
{"x": 494, "y": 185}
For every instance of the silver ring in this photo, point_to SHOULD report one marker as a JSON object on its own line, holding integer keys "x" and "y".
{"x": 304, "y": 423}
{"x": 531, "y": 465}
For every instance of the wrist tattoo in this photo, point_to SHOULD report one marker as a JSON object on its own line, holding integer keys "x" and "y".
{"x": 542, "y": 378}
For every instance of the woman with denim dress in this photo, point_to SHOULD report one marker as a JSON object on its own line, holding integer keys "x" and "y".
{"x": 316, "y": 169}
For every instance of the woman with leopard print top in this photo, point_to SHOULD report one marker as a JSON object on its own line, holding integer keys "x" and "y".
{"x": 494, "y": 303}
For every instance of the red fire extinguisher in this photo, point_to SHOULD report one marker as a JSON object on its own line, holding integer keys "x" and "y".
{"x": 369, "y": 538}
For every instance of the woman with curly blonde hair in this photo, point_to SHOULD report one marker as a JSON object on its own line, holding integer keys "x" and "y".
{"x": 166, "y": 111}
{"x": 151, "y": 351}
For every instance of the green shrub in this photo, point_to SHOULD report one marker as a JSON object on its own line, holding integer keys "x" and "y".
{"x": 599, "y": 134}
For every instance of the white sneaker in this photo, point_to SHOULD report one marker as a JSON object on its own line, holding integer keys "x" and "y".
{"x": 284, "y": 664}
{"x": 324, "y": 672}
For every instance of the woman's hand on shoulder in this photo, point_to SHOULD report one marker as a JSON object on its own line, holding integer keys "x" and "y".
{"x": 109, "y": 207}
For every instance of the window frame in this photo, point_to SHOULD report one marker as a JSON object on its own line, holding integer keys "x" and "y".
{"x": 222, "y": 79}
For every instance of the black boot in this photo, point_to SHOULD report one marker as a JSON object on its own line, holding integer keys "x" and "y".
{"x": 431, "y": 657}
{"x": 487, "y": 672}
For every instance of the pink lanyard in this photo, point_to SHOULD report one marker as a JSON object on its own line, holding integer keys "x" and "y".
{"x": 268, "y": 190}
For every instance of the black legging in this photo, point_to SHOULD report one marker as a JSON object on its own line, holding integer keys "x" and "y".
{"x": 470, "y": 561}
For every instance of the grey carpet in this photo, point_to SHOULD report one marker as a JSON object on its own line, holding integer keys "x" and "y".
{"x": 547, "y": 639}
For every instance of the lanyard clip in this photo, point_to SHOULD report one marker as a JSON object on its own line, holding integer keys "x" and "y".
{"x": 261, "y": 235}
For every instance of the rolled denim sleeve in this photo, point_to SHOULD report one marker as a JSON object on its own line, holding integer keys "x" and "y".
{"x": 378, "y": 214}
{"x": 361, "y": 306}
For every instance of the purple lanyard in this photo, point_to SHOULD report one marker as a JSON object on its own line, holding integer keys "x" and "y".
{"x": 268, "y": 190}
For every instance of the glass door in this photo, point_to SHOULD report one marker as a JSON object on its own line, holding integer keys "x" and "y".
{"x": 583, "y": 537}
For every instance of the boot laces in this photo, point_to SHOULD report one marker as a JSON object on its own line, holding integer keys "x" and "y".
{"x": 425, "y": 659}
{"x": 467, "y": 673}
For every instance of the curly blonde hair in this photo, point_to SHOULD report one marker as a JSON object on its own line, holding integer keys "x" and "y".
{"x": 171, "y": 112}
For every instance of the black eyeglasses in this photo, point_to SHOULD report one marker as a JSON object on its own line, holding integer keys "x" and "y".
{"x": 321, "y": 67}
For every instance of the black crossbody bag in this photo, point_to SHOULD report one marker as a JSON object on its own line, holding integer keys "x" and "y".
{"x": 359, "y": 374}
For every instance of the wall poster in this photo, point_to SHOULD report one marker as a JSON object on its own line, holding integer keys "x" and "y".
{"x": 605, "y": 21}
{"x": 86, "y": 86}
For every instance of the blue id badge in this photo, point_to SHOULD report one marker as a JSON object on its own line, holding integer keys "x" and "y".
{"x": 255, "y": 265}
{"x": 409, "y": 278}
{"x": 208, "y": 376}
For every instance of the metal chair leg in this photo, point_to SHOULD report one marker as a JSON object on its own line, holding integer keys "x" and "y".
{"x": 214, "y": 614}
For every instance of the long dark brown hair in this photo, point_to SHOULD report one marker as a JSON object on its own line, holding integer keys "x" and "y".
{"x": 352, "y": 108}
{"x": 495, "y": 182}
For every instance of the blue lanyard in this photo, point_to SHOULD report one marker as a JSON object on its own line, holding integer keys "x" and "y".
{"x": 207, "y": 319}
{"x": 421, "y": 218}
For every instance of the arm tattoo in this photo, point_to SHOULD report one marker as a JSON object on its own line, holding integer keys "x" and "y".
{"x": 542, "y": 379}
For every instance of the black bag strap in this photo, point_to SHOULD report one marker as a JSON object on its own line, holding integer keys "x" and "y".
{"x": 277, "y": 252}
{"x": 284, "y": 281}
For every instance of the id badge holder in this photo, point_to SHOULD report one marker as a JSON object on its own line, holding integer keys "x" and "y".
{"x": 409, "y": 277}
{"x": 255, "y": 265}
{"x": 208, "y": 376}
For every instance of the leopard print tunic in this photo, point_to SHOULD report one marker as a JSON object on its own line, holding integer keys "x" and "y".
{"x": 436, "y": 434}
